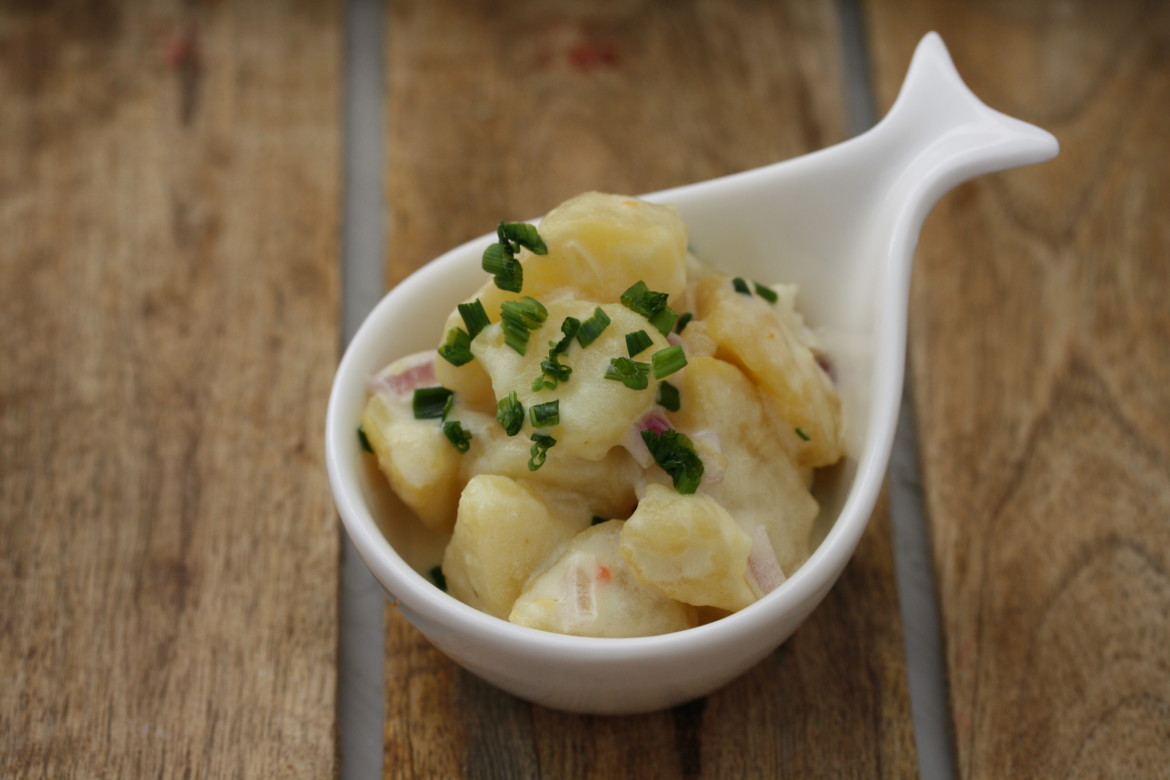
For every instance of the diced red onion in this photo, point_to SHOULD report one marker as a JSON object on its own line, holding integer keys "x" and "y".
{"x": 402, "y": 377}
{"x": 763, "y": 568}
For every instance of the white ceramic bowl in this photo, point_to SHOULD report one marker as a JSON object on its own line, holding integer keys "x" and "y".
{"x": 842, "y": 223}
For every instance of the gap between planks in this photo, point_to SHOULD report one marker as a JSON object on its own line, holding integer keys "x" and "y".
{"x": 360, "y": 686}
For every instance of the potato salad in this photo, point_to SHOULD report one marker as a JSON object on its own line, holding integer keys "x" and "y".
{"x": 619, "y": 440}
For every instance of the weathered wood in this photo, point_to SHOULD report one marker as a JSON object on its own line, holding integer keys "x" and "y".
{"x": 1040, "y": 349}
{"x": 168, "y": 295}
{"x": 504, "y": 111}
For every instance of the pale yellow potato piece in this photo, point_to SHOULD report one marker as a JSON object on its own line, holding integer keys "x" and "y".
{"x": 502, "y": 533}
{"x": 584, "y": 488}
{"x": 595, "y": 412}
{"x": 588, "y": 591}
{"x": 756, "y": 338}
{"x": 688, "y": 547}
{"x": 601, "y": 244}
{"x": 759, "y": 483}
{"x": 417, "y": 459}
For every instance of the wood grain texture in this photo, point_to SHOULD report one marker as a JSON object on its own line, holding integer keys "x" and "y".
{"x": 502, "y": 112}
{"x": 168, "y": 550}
{"x": 1040, "y": 349}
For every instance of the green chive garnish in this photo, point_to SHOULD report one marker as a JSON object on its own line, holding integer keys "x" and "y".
{"x": 675, "y": 454}
{"x": 569, "y": 328}
{"x": 741, "y": 286}
{"x": 641, "y": 299}
{"x": 456, "y": 350}
{"x": 541, "y": 443}
{"x": 364, "y": 440}
{"x": 552, "y": 371}
{"x": 667, "y": 397}
{"x": 632, "y": 374}
{"x": 667, "y": 361}
{"x": 664, "y": 320}
{"x": 432, "y": 403}
{"x": 545, "y": 415}
{"x": 510, "y": 413}
{"x": 591, "y": 328}
{"x": 767, "y": 293}
{"x": 518, "y": 318}
{"x": 652, "y": 305}
{"x": 437, "y": 577}
{"x": 456, "y": 434}
{"x": 504, "y": 268}
{"x": 517, "y": 234}
{"x": 499, "y": 259}
{"x": 803, "y": 435}
{"x": 474, "y": 317}
{"x": 637, "y": 341}
{"x": 683, "y": 319}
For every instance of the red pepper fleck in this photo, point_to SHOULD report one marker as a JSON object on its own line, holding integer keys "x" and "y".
{"x": 604, "y": 574}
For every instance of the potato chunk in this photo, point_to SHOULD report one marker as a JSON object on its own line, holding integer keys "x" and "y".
{"x": 502, "y": 533}
{"x": 417, "y": 459}
{"x": 756, "y": 338}
{"x": 600, "y": 244}
{"x": 759, "y": 483}
{"x": 588, "y": 591}
{"x": 595, "y": 412}
{"x": 590, "y": 487}
{"x": 688, "y": 547}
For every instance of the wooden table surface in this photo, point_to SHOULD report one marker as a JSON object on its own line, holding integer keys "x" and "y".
{"x": 171, "y": 314}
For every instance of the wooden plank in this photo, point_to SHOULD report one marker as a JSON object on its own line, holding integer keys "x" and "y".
{"x": 505, "y": 112}
{"x": 1041, "y": 368}
{"x": 168, "y": 294}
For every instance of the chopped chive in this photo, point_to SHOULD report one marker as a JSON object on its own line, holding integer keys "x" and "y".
{"x": 803, "y": 435}
{"x": 522, "y": 234}
{"x": 675, "y": 454}
{"x": 664, "y": 320}
{"x": 637, "y": 342}
{"x": 504, "y": 268}
{"x": 667, "y": 361}
{"x": 741, "y": 286}
{"x": 569, "y": 328}
{"x": 456, "y": 350}
{"x": 437, "y": 577}
{"x": 598, "y": 520}
{"x": 541, "y": 443}
{"x": 552, "y": 371}
{"x": 767, "y": 293}
{"x": 668, "y": 397}
{"x": 474, "y": 317}
{"x": 455, "y": 433}
{"x": 683, "y": 319}
{"x": 641, "y": 299}
{"x": 652, "y": 305}
{"x": 518, "y": 318}
{"x": 364, "y": 440}
{"x": 432, "y": 403}
{"x": 632, "y": 374}
{"x": 545, "y": 415}
{"x": 591, "y": 328}
{"x": 510, "y": 413}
